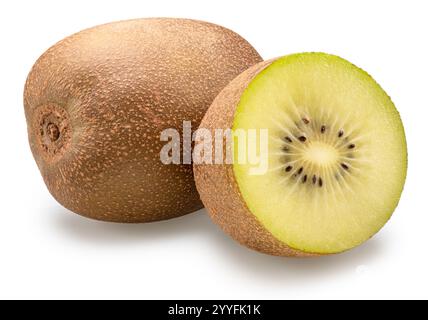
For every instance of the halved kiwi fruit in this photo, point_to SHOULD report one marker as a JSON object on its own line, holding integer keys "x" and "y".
{"x": 97, "y": 102}
{"x": 337, "y": 157}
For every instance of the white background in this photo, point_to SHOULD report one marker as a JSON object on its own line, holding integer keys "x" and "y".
{"x": 49, "y": 252}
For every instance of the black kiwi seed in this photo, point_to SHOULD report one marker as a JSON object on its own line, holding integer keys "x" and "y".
{"x": 323, "y": 129}
{"x": 344, "y": 166}
{"x": 302, "y": 138}
{"x": 314, "y": 179}
{"x": 320, "y": 182}
{"x": 340, "y": 134}
{"x": 300, "y": 170}
{"x": 305, "y": 178}
{"x": 288, "y": 139}
{"x": 351, "y": 146}
{"x": 289, "y": 168}
{"x": 305, "y": 121}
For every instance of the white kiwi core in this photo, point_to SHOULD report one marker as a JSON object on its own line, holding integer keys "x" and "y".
{"x": 320, "y": 154}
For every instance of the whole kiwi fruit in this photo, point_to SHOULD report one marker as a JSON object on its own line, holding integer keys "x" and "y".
{"x": 97, "y": 101}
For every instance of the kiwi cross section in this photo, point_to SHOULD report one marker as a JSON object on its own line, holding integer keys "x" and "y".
{"x": 337, "y": 157}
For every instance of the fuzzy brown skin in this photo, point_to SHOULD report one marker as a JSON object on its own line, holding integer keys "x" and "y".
{"x": 217, "y": 185}
{"x": 96, "y": 104}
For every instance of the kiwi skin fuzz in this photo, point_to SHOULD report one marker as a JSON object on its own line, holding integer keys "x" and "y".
{"x": 217, "y": 184}
{"x": 97, "y": 101}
